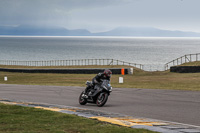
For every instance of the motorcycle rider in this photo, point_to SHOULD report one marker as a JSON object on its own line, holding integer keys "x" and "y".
{"x": 97, "y": 79}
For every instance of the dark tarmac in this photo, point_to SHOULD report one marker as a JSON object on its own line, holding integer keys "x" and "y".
{"x": 168, "y": 105}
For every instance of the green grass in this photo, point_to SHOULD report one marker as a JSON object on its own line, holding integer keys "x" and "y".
{"x": 195, "y": 63}
{"x": 140, "y": 79}
{"x": 151, "y": 80}
{"x": 17, "y": 119}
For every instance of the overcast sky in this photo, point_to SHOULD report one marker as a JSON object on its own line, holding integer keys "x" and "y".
{"x": 102, "y": 15}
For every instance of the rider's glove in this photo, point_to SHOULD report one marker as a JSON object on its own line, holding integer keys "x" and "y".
{"x": 96, "y": 82}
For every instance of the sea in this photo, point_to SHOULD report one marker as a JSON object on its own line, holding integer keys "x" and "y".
{"x": 152, "y": 52}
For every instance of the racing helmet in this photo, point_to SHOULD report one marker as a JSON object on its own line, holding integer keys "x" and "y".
{"x": 107, "y": 73}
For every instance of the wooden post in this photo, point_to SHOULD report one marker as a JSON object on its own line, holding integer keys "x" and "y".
{"x": 177, "y": 61}
{"x": 196, "y": 57}
{"x": 185, "y": 58}
{"x": 181, "y": 60}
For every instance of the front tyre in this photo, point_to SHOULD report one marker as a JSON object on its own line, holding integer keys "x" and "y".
{"x": 102, "y": 99}
{"x": 82, "y": 100}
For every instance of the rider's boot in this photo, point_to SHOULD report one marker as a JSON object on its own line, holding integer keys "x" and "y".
{"x": 85, "y": 92}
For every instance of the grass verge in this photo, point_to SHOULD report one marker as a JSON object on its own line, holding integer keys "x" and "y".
{"x": 26, "y": 119}
{"x": 195, "y": 63}
{"x": 140, "y": 79}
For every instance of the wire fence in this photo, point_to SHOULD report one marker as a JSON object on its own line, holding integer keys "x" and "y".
{"x": 183, "y": 59}
{"x": 86, "y": 62}
{"x": 78, "y": 62}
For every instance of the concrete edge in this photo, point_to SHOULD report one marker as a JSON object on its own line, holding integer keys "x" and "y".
{"x": 113, "y": 118}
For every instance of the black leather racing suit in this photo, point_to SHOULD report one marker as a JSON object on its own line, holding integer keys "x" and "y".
{"x": 97, "y": 79}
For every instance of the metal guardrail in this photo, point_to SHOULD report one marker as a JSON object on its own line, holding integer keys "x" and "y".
{"x": 78, "y": 62}
{"x": 183, "y": 59}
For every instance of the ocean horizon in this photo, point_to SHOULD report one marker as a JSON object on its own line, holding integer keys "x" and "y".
{"x": 152, "y": 52}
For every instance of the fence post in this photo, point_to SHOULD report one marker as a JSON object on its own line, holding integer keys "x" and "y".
{"x": 196, "y": 57}
{"x": 185, "y": 58}
{"x": 181, "y": 60}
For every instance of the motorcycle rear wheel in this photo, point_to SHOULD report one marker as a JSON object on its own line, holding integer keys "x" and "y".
{"x": 102, "y": 99}
{"x": 82, "y": 100}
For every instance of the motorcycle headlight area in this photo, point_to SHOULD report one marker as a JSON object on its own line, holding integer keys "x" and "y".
{"x": 110, "y": 89}
{"x": 105, "y": 87}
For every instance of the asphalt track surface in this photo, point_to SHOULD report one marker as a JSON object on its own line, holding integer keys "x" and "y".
{"x": 168, "y": 105}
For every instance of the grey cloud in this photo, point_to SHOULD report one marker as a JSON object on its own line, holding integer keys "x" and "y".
{"x": 181, "y": 14}
{"x": 45, "y": 11}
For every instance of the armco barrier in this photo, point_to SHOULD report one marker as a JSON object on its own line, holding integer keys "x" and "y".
{"x": 185, "y": 69}
{"x": 68, "y": 71}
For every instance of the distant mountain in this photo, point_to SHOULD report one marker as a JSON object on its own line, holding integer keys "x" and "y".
{"x": 26, "y": 30}
{"x": 146, "y": 32}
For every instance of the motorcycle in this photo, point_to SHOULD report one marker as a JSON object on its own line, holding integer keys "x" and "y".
{"x": 99, "y": 94}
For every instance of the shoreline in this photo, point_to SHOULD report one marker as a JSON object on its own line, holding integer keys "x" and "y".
{"x": 131, "y": 37}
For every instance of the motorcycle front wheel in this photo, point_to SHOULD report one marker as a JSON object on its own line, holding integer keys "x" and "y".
{"x": 102, "y": 99}
{"x": 82, "y": 100}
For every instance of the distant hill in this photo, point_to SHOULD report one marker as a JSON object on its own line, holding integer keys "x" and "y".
{"x": 26, "y": 30}
{"x": 146, "y": 32}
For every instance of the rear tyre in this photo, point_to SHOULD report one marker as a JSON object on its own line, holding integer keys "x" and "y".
{"x": 102, "y": 99}
{"x": 82, "y": 100}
